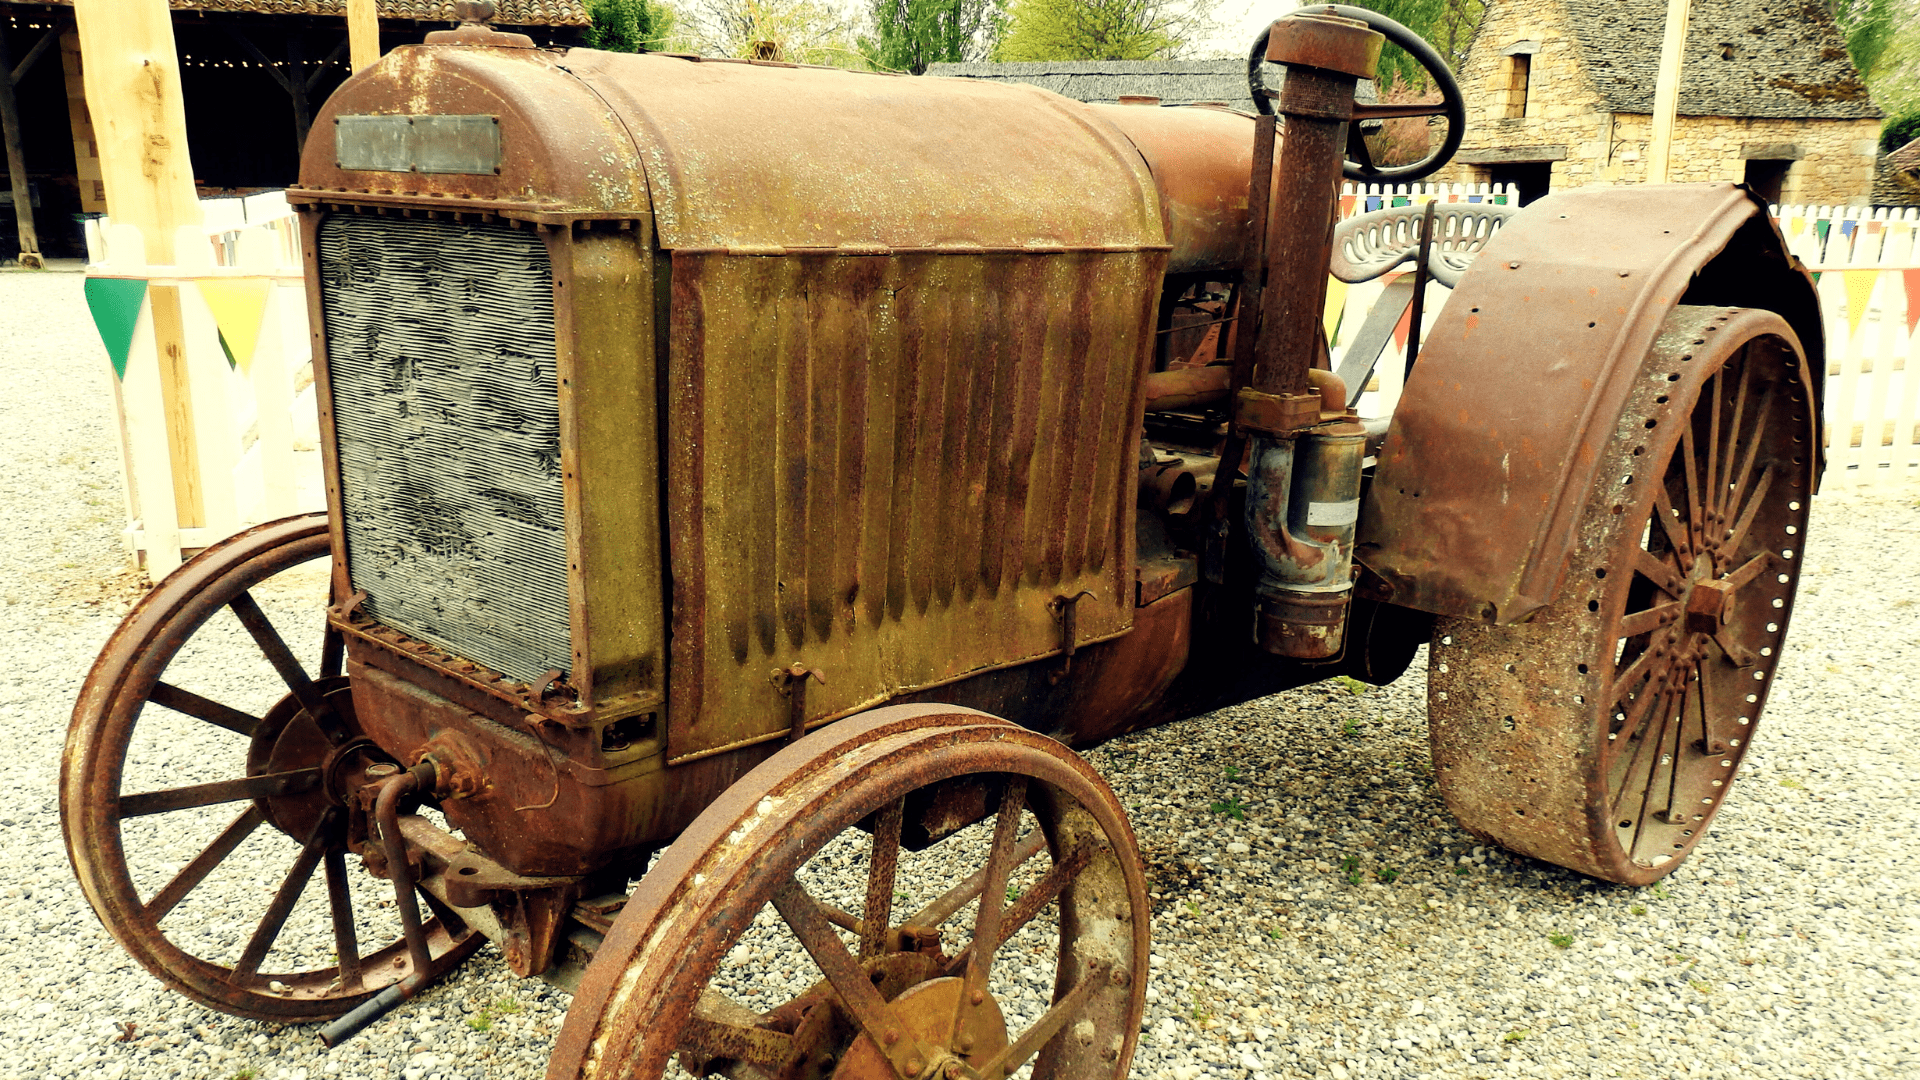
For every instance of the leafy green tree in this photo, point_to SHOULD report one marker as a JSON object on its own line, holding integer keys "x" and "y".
{"x": 1899, "y": 130}
{"x": 629, "y": 25}
{"x": 910, "y": 34}
{"x": 796, "y": 31}
{"x": 1102, "y": 29}
{"x": 1447, "y": 25}
{"x": 1869, "y": 26}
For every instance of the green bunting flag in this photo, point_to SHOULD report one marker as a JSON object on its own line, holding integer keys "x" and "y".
{"x": 115, "y": 303}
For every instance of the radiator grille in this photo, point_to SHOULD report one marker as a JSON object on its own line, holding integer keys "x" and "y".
{"x": 440, "y": 355}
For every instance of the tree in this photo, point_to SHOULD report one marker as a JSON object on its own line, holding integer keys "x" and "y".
{"x": 1447, "y": 25}
{"x": 629, "y": 25}
{"x": 1869, "y": 28}
{"x": 797, "y": 31}
{"x": 1102, "y": 29}
{"x": 910, "y": 34}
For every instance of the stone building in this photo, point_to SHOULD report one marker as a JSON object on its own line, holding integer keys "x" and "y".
{"x": 1560, "y": 94}
{"x": 1172, "y": 82}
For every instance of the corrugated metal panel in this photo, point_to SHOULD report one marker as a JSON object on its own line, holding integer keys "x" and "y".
{"x": 887, "y": 467}
{"x": 441, "y": 358}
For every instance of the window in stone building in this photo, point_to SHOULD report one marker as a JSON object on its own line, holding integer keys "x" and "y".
{"x": 1767, "y": 177}
{"x": 1519, "y": 73}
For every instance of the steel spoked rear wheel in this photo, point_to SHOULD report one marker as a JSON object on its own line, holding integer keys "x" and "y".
{"x": 195, "y": 795}
{"x": 1604, "y": 733}
{"x": 741, "y": 952}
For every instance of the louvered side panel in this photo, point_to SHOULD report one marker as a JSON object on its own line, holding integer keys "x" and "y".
{"x": 441, "y": 359}
{"x": 886, "y": 468}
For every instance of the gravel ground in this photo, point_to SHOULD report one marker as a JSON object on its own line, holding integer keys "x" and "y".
{"x": 1345, "y": 928}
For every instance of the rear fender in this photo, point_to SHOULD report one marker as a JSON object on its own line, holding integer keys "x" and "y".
{"x": 1494, "y": 444}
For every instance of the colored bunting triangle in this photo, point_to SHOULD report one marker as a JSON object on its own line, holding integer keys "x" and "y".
{"x": 115, "y": 304}
{"x": 1336, "y": 305}
{"x": 1912, "y": 279}
{"x": 1860, "y": 285}
{"x": 238, "y": 306}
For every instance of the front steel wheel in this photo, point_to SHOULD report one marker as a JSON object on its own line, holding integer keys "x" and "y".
{"x": 741, "y": 952}
{"x": 196, "y": 791}
{"x": 1604, "y": 733}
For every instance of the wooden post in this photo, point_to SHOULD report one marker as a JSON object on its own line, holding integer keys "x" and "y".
{"x": 1666, "y": 91}
{"x": 16, "y": 156}
{"x": 363, "y": 30}
{"x": 132, "y": 75}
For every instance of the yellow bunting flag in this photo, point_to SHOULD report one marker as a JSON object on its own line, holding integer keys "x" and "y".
{"x": 1860, "y": 285}
{"x": 238, "y": 306}
{"x": 1336, "y": 303}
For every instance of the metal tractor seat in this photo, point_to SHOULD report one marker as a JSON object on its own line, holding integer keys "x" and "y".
{"x": 1368, "y": 245}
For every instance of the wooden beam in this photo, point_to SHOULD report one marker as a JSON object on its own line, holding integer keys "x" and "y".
{"x": 1666, "y": 91}
{"x": 320, "y": 69}
{"x": 254, "y": 51}
{"x": 47, "y": 41}
{"x": 16, "y": 161}
{"x": 132, "y": 72}
{"x": 363, "y": 29}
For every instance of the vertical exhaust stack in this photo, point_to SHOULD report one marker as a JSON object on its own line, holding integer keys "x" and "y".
{"x": 1303, "y": 492}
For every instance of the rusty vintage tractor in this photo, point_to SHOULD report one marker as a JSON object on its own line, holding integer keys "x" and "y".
{"x": 749, "y": 481}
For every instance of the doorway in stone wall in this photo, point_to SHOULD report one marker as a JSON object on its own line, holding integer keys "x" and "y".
{"x": 1767, "y": 177}
{"x": 1530, "y": 178}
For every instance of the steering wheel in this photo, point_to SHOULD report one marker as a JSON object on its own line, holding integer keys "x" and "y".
{"x": 1359, "y": 164}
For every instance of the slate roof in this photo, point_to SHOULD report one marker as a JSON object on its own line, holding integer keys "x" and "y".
{"x": 510, "y": 12}
{"x": 1907, "y": 158}
{"x": 1744, "y": 58}
{"x": 1174, "y": 82}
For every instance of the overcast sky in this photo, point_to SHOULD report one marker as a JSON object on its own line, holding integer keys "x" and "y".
{"x": 1239, "y": 22}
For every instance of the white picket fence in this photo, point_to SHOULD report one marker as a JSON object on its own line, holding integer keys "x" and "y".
{"x": 1867, "y": 269}
{"x": 255, "y": 432}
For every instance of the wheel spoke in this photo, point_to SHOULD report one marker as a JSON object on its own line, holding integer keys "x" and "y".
{"x": 192, "y": 704}
{"x": 282, "y": 658}
{"x": 282, "y": 906}
{"x": 1630, "y": 677}
{"x": 1655, "y": 703}
{"x": 1738, "y": 533}
{"x": 192, "y": 874}
{"x": 1724, "y": 492}
{"x": 993, "y": 895}
{"x": 1030, "y": 903}
{"x": 1714, "y": 491}
{"x": 1735, "y": 497}
{"x": 1669, "y": 524}
{"x": 1653, "y": 618}
{"x": 956, "y": 898}
{"x": 1659, "y": 742}
{"x": 855, "y": 991}
{"x": 1649, "y": 566}
{"x": 1631, "y": 724}
{"x": 882, "y": 865}
{"x": 340, "y": 906}
{"x": 723, "y": 1028}
{"x": 1749, "y": 569}
{"x": 1044, "y": 1029}
{"x": 1696, "y": 521}
{"x": 222, "y": 791}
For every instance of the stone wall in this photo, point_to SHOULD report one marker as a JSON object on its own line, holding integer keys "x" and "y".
{"x": 1563, "y": 121}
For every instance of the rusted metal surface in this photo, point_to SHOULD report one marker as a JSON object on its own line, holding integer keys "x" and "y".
{"x": 128, "y": 684}
{"x": 1473, "y": 509}
{"x": 760, "y": 155}
{"x": 640, "y": 994}
{"x": 1604, "y": 733}
{"x": 1200, "y": 158}
{"x": 888, "y": 467}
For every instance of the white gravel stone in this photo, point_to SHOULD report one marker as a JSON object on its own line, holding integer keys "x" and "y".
{"x": 1788, "y": 947}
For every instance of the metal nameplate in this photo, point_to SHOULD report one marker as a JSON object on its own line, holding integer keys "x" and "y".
{"x": 467, "y": 145}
